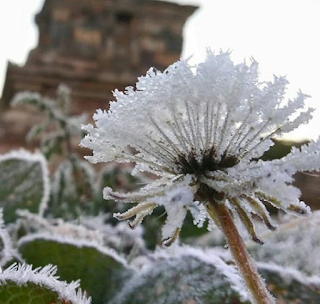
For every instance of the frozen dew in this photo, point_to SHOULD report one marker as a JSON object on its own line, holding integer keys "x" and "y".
{"x": 201, "y": 130}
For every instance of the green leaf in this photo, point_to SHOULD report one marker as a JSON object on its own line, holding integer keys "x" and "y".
{"x": 289, "y": 285}
{"x": 101, "y": 270}
{"x": 295, "y": 244}
{"x": 20, "y": 284}
{"x": 24, "y": 183}
{"x": 190, "y": 275}
{"x": 187, "y": 276}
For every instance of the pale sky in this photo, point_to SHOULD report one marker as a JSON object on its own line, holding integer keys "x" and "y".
{"x": 280, "y": 34}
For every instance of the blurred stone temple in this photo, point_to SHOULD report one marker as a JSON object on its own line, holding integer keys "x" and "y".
{"x": 93, "y": 46}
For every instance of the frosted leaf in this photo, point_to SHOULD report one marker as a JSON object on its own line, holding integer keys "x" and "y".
{"x": 296, "y": 244}
{"x": 44, "y": 279}
{"x": 289, "y": 285}
{"x": 101, "y": 269}
{"x": 209, "y": 123}
{"x": 198, "y": 276}
{"x": 24, "y": 183}
{"x": 65, "y": 239}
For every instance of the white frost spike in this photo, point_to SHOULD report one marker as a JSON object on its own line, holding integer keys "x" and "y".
{"x": 207, "y": 125}
{"x": 36, "y": 157}
{"x": 45, "y": 277}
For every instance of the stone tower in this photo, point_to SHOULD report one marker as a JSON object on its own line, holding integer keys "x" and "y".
{"x": 93, "y": 46}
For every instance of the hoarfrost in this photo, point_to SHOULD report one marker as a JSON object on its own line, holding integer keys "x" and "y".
{"x": 45, "y": 277}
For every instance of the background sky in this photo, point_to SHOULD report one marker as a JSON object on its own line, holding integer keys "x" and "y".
{"x": 280, "y": 34}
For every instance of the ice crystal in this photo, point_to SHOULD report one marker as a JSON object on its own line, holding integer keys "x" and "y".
{"x": 23, "y": 274}
{"x": 202, "y": 130}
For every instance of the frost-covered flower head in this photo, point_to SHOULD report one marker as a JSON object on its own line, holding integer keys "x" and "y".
{"x": 202, "y": 130}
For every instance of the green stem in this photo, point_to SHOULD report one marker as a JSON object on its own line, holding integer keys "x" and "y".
{"x": 221, "y": 215}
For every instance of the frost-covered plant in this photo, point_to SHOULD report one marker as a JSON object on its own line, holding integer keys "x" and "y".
{"x": 58, "y": 126}
{"x": 73, "y": 181}
{"x": 76, "y": 186}
{"x": 201, "y": 130}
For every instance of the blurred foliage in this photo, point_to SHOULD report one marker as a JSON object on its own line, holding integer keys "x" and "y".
{"x": 76, "y": 186}
{"x": 281, "y": 148}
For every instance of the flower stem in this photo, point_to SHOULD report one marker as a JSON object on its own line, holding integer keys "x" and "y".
{"x": 220, "y": 213}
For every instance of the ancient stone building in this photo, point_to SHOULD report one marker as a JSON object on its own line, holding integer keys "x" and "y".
{"x": 93, "y": 46}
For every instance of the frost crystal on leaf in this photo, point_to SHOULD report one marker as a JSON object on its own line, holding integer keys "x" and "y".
{"x": 202, "y": 131}
{"x": 23, "y": 274}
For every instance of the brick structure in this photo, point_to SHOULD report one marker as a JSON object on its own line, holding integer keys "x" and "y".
{"x": 93, "y": 46}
